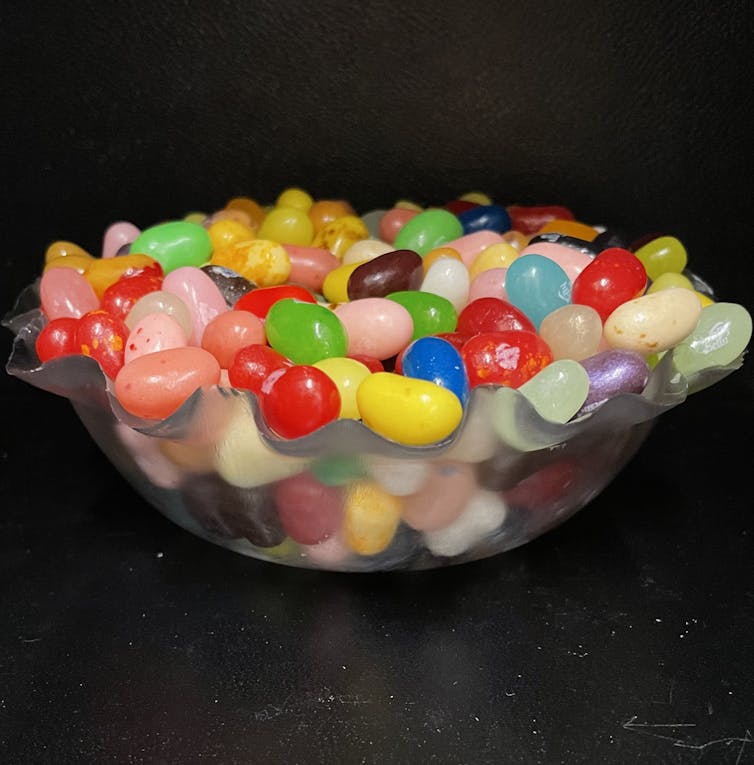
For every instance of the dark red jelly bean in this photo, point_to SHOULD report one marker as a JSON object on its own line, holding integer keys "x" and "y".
{"x": 394, "y": 271}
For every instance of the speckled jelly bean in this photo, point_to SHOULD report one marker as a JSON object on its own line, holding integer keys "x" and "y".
{"x": 347, "y": 374}
{"x": 117, "y": 235}
{"x": 163, "y": 302}
{"x": 324, "y": 211}
{"x": 427, "y": 230}
{"x": 662, "y": 254}
{"x": 376, "y": 327}
{"x": 611, "y": 373}
{"x": 654, "y": 322}
{"x": 338, "y": 235}
{"x": 371, "y": 518}
{"x": 154, "y": 332}
{"x": 103, "y": 337}
{"x": 448, "y": 278}
{"x": 175, "y": 244}
{"x": 391, "y": 272}
{"x": 223, "y": 233}
{"x": 309, "y": 511}
{"x": 228, "y": 332}
{"x": 508, "y": 357}
{"x": 305, "y": 332}
{"x": 491, "y": 314}
{"x": 261, "y": 261}
{"x": 442, "y": 497}
{"x": 490, "y": 217}
{"x": 408, "y": 410}
{"x": 66, "y": 292}
{"x": 199, "y": 294}
{"x": 434, "y": 359}
{"x": 572, "y": 332}
{"x": 537, "y": 285}
{"x": 430, "y": 313}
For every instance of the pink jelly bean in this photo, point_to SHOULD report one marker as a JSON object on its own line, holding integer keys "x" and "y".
{"x": 228, "y": 332}
{"x": 309, "y": 511}
{"x": 392, "y": 221}
{"x": 469, "y": 246}
{"x": 200, "y": 294}
{"x": 64, "y": 292}
{"x": 117, "y": 235}
{"x": 489, "y": 283}
{"x": 442, "y": 497}
{"x": 572, "y": 260}
{"x": 155, "y": 332}
{"x": 310, "y": 265}
{"x": 376, "y": 326}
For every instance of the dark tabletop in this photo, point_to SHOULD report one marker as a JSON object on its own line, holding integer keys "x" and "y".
{"x": 623, "y": 636}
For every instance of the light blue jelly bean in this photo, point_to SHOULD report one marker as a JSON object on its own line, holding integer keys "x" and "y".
{"x": 485, "y": 218}
{"x": 537, "y": 286}
{"x": 437, "y": 360}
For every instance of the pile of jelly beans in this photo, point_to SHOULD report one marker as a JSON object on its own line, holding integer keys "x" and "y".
{"x": 391, "y": 318}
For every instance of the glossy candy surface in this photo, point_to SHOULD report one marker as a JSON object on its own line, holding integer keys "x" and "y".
{"x": 305, "y": 332}
{"x": 175, "y": 244}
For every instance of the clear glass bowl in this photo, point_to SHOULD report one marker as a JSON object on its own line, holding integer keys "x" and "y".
{"x": 360, "y": 502}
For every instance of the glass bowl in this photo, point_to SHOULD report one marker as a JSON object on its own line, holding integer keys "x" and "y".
{"x": 344, "y": 498}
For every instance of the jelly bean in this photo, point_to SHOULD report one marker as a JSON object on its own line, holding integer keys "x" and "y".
{"x": 611, "y": 373}
{"x": 335, "y": 285}
{"x": 654, "y": 322}
{"x": 529, "y": 219}
{"x": 670, "y": 280}
{"x": 305, "y": 332}
{"x": 261, "y": 261}
{"x": 435, "y": 359}
{"x": 718, "y": 339}
{"x": 370, "y": 362}
{"x": 223, "y": 233}
{"x": 119, "y": 298}
{"x": 190, "y": 457}
{"x": 570, "y": 227}
{"x": 515, "y": 239}
{"x": 371, "y": 518}
{"x": 407, "y": 204}
{"x": 299, "y": 400}
{"x": 65, "y": 292}
{"x": 365, "y": 249}
{"x": 537, "y": 285}
{"x": 499, "y": 255}
{"x": 324, "y": 211}
{"x": 347, "y": 374}
{"x": 437, "y": 253}
{"x": 393, "y": 271}
{"x": 200, "y": 295}
{"x": 609, "y": 238}
{"x": 260, "y": 300}
{"x": 295, "y": 197}
{"x": 57, "y": 338}
{"x": 477, "y": 197}
{"x": 338, "y": 235}
{"x": 80, "y": 263}
{"x": 491, "y": 314}
{"x": 408, "y": 410}
{"x": 287, "y": 225}
{"x": 572, "y": 255}
{"x": 310, "y": 265}
{"x": 62, "y": 249}
{"x": 155, "y": 332}
{"x": 251, "y": 207}
{"x": 253, "y": 364}
{"x": 489, "y": 283}
{"x": 572, "y": 332}
{"x": 485, "y": 218}
{"x": 558, "y": 391}
{"x": 399, "y": 477}
{"x": 470, "y": 246}
{"x": 509, "y": 357}
{"x": 448, "y": 278}
{"x": 195, "y": 217}
{"x": 103, "y": 337}
{"x": 309, "y": 511}
{"x": 612, "y": 278}
{"x": 662, "y": 254}
{"x": 117, "y": 235}
{"x": 545, "y": 490}
{"x": 228, "y": 332}
{"x": 430, "y": 313}
{"x": 483, "y": 515}
{"x": 456, "y": 339}
{"x": 101, "y": 274}
{"x": 175, "y": 244}
{"x": 442, "y": 497}
{"x": 230, "y": 216}
{"x": 428, "y": 229}
{"x": 231, "y": 284}
{"x": 375, "y": 327}
{"x": 392, "y": 221}
{"x": 457, "y": 206}
{"x": 164, "y": 302}
{"x": 338, "y": 469}
{"x": 154, "y": 386}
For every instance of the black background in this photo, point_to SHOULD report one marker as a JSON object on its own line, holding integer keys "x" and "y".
{"x": 623, "y": 636}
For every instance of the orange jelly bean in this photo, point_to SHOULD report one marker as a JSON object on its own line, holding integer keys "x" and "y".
{"x": 253, "y": 209}
{"x": 62, "y": 249}
{"x": 325, "y": 211}
{"x": 570, "y": 228}
{"x": 106, "y": 271}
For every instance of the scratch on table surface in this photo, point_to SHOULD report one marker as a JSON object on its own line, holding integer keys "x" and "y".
{"x": 292, "y": 705}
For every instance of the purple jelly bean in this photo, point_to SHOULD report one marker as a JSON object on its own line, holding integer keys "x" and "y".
{"x": 611, "y": 373}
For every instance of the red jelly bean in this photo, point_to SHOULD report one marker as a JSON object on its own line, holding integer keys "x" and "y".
{"x": 491, "y": 314}
{"x": 528, "y": 219}
{"x": 299, "y": 400}
{"x": 510, "y": 357}
{"x": 253, "y": 364}
{"x": 260, "y": 300}
{"x": 309, "y": 511}
{"x": 57, "y": 338}
{"x": 103, "y": 337}
{"x": 119, "y": 298}
{"x": 456, "y": 339}
{"x": 613, "y": 277}
{"x": 457, "y": 206}
{"x": 370, "y": 362}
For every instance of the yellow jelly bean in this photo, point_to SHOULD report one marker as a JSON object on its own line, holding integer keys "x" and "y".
{"x": 477, "y": 197}
{"x": 226, "y": 231}
{"x": 499, "y": 255}
{"x": 195, "y": 217}
{"x": 79, "y": 262}
{"x": 261, "y": 261}
{"x": 287, "y": 225}
{"x": 106, "y": 271}
{"x": 670, "y": 280}
{"x": 335, "y": 285}
{"x": 407, "y": 204}
{"x": 347, "y": 374}
{"x": 662, "y": 254}
{"x": 572, "y": 228}
{"x": 295, "y": 197}
{"x": 371, "y": 517}
{"x": 705, "y": 300}
{"x": 436, "y": 254}
{"x": 63, "y": 249}
{"x": 338, "y": 235}
{"x": 408, "y": 410}
{"x": 252, "y": 208}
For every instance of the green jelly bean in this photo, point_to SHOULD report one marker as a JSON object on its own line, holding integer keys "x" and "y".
{"x": 338, "y": 470}
{"x": 430, "y": 313}
{"x": 305, "y": 332}
{"x": 427, "y": 230}
{"x": 558, "y": 391}
{"x": 175, "y": 244}
{"x": 664, "y": 254}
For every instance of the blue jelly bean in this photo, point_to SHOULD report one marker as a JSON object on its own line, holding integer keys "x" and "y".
{"x": 537, "y": 286}
{"x": 485, "y": 218}
{"x": 434, "y": 359}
